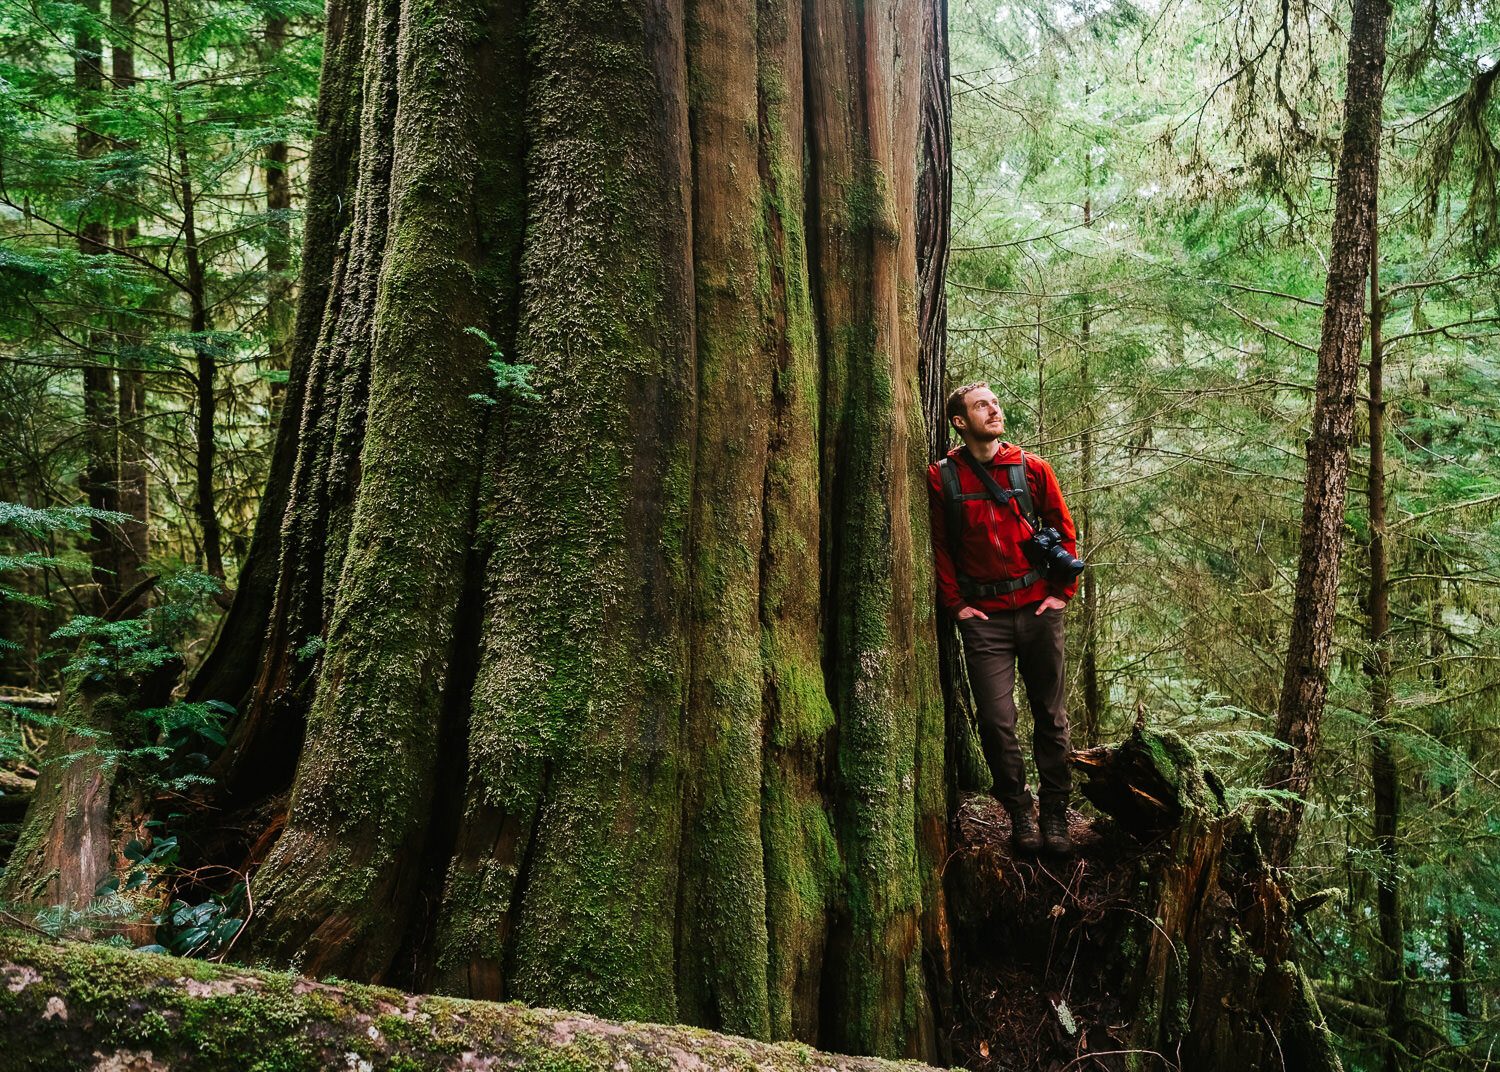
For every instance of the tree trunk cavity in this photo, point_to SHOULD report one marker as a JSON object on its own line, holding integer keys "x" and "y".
{"x": 1305, "y": 684}
{"x": 642, "y": 668}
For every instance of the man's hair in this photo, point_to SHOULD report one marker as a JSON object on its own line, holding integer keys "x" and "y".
{"x": 957, "y": 405}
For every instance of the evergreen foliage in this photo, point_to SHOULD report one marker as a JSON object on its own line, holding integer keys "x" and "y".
{"x": 1175, "y": 326}
{"x": 143, "y": 272}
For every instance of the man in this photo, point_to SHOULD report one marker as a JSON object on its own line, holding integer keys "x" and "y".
{"x": 1008, "y": 614}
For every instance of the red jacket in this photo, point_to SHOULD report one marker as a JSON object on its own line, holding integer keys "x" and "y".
{"x": 990, "y": 544}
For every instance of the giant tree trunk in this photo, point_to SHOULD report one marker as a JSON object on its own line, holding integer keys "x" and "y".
{"x": 1305, "y": 686}
{"x": 642, "y": 669}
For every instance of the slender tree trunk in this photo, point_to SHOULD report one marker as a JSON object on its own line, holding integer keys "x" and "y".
{"x": 99, "y": 479}
{"x": 205, "y": 361}
{"x": 1384, "y": 775}
{"x": 1041, "y": 377}
{"x": 1092, "y": 704}
{"x": 278, "y": 231}
{"x": 1456, "y": 969}
{"x": 644, "y": 666}
{"x": 1305, "y": 686}
{"x": 132, "y": 479}
{"x": 134, "y": 495}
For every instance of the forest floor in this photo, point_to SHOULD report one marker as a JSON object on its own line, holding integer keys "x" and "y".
{"x": 1035, "y": 941}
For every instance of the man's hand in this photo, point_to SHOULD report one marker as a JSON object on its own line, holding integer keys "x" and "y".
{"x": 1049, "y": 603}
{"x": 971, "y": 612}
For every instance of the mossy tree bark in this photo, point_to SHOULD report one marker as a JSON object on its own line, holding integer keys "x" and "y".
{"x": 82, "y": 813}
{"x": 624, "y": 697}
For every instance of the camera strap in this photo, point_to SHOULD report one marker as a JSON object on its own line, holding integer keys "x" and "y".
{"x": 1019, "y": 491}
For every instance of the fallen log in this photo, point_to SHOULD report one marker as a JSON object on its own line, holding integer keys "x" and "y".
{"x": 41, "y": 701}
{"x": 68, "y": 1005}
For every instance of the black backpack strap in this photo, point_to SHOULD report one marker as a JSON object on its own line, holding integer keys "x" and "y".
{"x": 953, "y": 498}
{"x": 1021, "y": 488}
{"x": 993, "y": 490}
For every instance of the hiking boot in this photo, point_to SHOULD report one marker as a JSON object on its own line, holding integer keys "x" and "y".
{"x": 1054, "y": 831}
{"x": 1024, "y": 834}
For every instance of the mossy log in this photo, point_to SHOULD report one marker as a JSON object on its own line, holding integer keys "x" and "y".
{"x": 76, "y": 1006}
{"x": 1165, "y": 943}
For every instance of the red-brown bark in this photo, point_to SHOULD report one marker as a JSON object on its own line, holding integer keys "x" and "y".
{"x": 1304, "y": 688}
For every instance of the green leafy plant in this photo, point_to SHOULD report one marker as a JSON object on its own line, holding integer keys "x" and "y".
{"x": 206, "y": 929}
{"x": 511, "y": 381}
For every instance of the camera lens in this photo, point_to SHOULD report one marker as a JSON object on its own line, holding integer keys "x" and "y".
{"x": 1064, "y": 562}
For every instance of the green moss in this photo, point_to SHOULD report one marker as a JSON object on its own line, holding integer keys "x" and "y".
{"x": 1179, "y": 767}
{"x": 575, "y": 718}
{"x": 365, "y": 782}
{"x": 269, "y": 1022}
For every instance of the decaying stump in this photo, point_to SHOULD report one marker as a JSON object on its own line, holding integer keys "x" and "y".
{"x": 80, "y": 815}
{"x": 1164, "y": 943}
{"x": 68, "y": 1005}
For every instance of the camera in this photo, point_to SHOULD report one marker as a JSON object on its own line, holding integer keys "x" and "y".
{"x": 1045, "y": 551}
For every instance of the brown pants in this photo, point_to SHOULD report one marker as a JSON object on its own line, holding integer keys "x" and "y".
{"x": 992, "y": 648}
